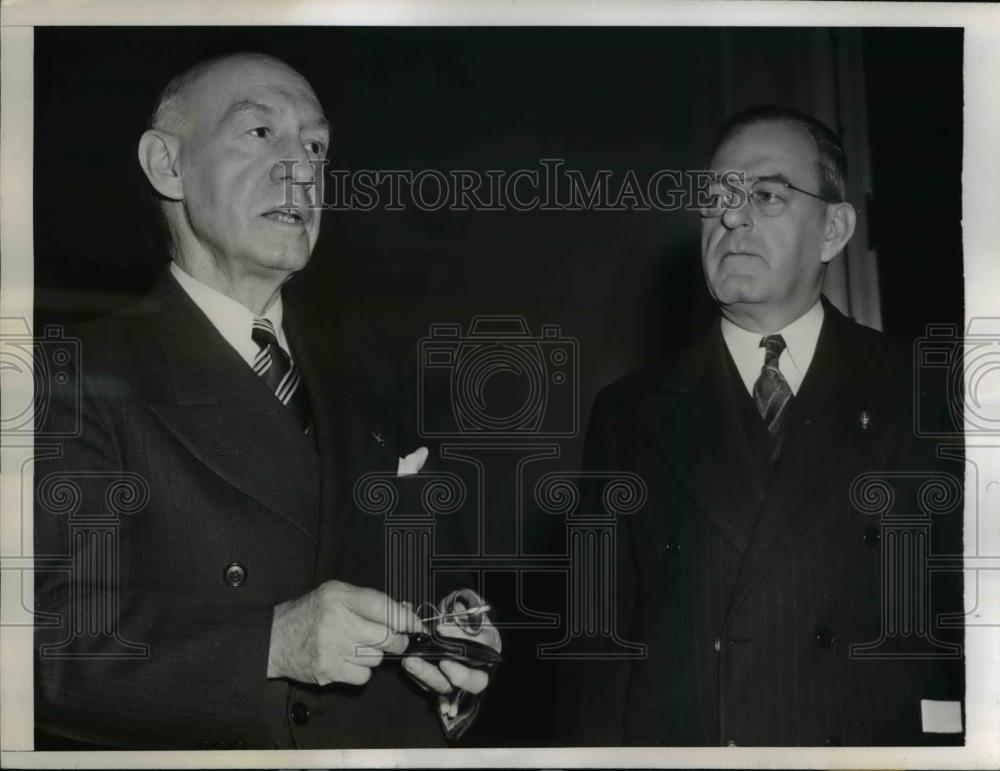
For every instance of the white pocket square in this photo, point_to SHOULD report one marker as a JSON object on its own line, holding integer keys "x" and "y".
{"x": 412, "y": 463}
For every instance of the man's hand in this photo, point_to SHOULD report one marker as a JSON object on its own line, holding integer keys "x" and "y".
{"x": 337, "y": 633}
{"x": 449, "y": 678}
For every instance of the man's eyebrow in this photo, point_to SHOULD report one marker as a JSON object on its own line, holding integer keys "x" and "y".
{"x": 323, "y": 123}
{"x": 246, "y": 105}
{"x": 779, "y": 177}
{"x": 729, "y": 175}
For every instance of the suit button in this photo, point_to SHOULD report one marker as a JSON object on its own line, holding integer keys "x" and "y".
{"x": 300, "y": 713}
{"x": 872, "y": 536}
{"x": 671, "y": 547}
{"x": 833, "y": 741}
{"x": 234, "y": 574}
{"x": 732, "y": 743}
{"x": 717, "y": 645}
{"x": 824, "y": 638}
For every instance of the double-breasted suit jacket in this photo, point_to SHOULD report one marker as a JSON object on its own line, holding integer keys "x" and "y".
{"x": 747, "y": 583}
{"x": 159, "y": 635}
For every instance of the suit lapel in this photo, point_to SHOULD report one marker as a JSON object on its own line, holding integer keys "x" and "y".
{"x": 227, "y": 417}
{"x": 699, "y": 432}
{"x": 823, "y": 442}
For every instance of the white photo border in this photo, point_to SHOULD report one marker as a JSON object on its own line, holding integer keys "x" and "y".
{"x": 981, "y": 239}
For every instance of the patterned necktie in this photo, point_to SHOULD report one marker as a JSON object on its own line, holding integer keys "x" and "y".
{"x": 278, "y": 371}
{"x": 771, "y": 392}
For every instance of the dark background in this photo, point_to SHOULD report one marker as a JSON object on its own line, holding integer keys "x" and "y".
{"x": 626, "y": 285}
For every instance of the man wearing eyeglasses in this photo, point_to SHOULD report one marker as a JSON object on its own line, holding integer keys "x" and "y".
{"x": 751, "y": 572}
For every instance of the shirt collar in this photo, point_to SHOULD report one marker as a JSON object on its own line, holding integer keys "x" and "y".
{"x": 233, "y": 320}
{"x": 801, "y": 337}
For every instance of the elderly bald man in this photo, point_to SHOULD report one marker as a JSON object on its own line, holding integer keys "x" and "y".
{"x": 244, "y": 594}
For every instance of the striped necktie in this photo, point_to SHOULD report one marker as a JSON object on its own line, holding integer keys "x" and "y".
{"x": 771, "y": 392}
{"x": 277, "y": 370}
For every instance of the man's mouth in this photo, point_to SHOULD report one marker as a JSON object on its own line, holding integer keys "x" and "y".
{"x": 286, "y": 216}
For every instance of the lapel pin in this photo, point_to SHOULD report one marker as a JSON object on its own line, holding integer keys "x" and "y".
{"x": 378, "y": 436}
{"x": 864, "y": 419}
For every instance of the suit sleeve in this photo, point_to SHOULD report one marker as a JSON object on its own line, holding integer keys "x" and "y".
{"x": 942, "y": 492}
{"x": 116, "y": 665}
{"x": 591, "y": 691}
{"x": 928, "y": 483}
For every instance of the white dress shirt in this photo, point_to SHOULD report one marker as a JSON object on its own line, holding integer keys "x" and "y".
{"x": 800, "y": 336}
{"x": 233, "y": 320}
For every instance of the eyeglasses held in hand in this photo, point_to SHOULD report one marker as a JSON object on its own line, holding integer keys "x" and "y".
{"x": 469, "y": 612}
{"x": 469, "y": 620}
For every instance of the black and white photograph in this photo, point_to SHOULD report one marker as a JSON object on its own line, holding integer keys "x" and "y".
{"x": 432, "y": 385}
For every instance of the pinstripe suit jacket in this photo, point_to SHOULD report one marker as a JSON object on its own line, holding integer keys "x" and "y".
{"x": 231, "y": 479}
{"x": 749, "y": 587}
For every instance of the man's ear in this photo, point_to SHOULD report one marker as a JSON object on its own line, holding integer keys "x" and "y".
{"x": 159, "y": 156}
{"x": 840, "y": 221}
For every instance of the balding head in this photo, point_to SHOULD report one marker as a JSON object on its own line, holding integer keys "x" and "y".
{"x": 831, "y": 160}
{"x": 232, "y": 151}
{"x": 172, "y": 110}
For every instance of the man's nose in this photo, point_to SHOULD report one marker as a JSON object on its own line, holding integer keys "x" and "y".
{"x": 738, "y": 217}
{"x": 294, "y": 163}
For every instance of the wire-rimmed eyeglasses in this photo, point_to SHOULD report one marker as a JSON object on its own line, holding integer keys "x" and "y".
{"x": 767, "y": 196}
{"x": 463, "y": 608}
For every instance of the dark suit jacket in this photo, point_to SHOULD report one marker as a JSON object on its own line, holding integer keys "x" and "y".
{"x": 169, "y": 408}
{"x": 748, "y": 585}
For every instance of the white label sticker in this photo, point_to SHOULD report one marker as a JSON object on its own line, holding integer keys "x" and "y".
{"x": 941, "y": 717}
